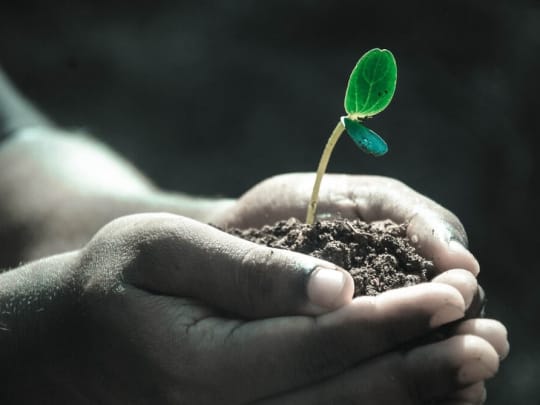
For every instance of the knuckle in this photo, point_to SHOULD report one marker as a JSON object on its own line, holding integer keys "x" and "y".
{"x": 116, "y": 251}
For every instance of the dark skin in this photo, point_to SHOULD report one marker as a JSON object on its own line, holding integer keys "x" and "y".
{"x": 127, "y": 296}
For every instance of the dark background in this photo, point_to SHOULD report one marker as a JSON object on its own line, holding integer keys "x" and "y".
{"x": 211, "y": 97}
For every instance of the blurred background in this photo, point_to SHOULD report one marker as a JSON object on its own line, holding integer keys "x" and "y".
{"x": 211, "y": 97}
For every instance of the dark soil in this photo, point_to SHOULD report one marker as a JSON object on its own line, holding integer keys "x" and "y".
{"x": 379, "y": 257}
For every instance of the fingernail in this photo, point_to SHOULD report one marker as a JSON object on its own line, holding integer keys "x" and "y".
{"x": 325, "y": 287}
{"x": 505, "y": 350}
{"x": 474, "y": 372}
{"x": 457, "y": 247}
{"x": 446, "y": 314}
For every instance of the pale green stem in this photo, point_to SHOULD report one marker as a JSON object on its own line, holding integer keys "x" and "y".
{"x": 323, "y": 163}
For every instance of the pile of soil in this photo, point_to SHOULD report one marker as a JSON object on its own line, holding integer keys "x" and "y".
{"x": 379, "y": 257}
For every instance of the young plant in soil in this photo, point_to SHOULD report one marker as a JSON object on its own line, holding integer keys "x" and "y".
{"x": 370, "y": 90}
{"x": 379, "y": 257}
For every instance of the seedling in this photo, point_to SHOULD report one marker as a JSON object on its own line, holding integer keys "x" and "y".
{"x": 369, "y": 91}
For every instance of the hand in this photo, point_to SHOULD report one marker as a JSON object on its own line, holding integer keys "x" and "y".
{"x": 170, "y": 310}
{"x": 436, "y": 232}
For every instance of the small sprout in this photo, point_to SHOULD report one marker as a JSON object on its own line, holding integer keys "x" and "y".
{"x": 370, "y": 89}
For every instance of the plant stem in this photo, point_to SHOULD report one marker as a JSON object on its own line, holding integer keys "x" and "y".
{"x": 325, "y": 157}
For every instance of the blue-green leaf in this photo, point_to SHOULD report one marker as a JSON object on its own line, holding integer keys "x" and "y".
{"x": 365, "y": 138}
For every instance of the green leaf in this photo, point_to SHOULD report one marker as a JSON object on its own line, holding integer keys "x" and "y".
{"x": 365, "y": 138}
{"x": 372, "y": 84}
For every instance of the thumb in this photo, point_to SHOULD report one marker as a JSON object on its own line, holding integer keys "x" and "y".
{"x": 185, "y": 258}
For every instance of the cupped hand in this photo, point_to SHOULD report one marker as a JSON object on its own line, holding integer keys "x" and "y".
{"x": 437, "y": 233}
{"x": 175, "y": 311}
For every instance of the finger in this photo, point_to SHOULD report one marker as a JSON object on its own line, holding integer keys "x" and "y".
{"x": 286, "y": 353}
{"x": 427, "y": 373}
{"x": 478, "y": 305}
{"x": 473, "y": 394}
{"x": 185, "y": 258}
{"x": 466, "y": 284}
{"x": 462, "y": 280}
{"x": 489, "y": 329}
{"x": 435, "y": 231}
{"x": 476, "y": 302}
{"x": 434, "y": 239}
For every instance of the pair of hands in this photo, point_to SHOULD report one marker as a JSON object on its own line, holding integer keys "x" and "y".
{"x": 159, "y": 308}
{"x": 165, "y": 309}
